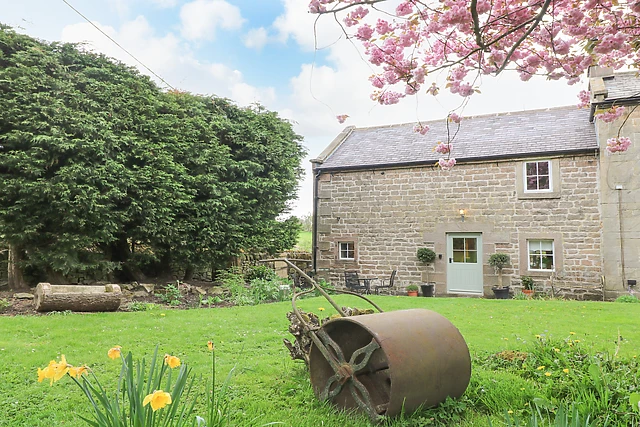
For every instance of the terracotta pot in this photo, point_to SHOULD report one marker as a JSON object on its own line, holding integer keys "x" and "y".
{"x": 528, "y": 292}
{"x": 412, "y": 293}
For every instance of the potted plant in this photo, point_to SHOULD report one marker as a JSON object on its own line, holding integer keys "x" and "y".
{"x": 427, "y": 256}
{"x": 527, "y": 285}
{"x": 498, "y": 261}
{"x": 412, "y": 290}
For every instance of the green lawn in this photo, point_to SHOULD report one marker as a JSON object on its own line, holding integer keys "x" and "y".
{"x": 270, "y": 387}
{"x": 304, "y": 241}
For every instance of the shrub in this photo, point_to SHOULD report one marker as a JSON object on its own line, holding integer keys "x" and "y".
{"x": 172, "y": 294}
{"x": 527, "y": 282}
{"x": 426, "y": 255}
{"x": 627, "y": 298}
{"x": 263, "y": 290}
{"x": 4, "y": 303}
{"x": 259, "y": 272}
{"x": 412, "y": 288}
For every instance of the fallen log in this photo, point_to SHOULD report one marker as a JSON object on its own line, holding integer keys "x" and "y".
{"x": 77, "y": 297}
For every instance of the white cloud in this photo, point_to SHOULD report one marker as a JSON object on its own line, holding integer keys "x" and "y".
{"x": 137, "y": 36}
{"x": 164, "y": 4}
{"x": 171, "y": 59}
{"x": 201, "y": 18}
{"x": 296, "y": 22}
{"x": 256, "y": 38}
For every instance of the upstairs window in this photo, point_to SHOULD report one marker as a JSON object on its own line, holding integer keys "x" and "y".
{"x": 541, "y": 257}
{"x": 347, "y": 251}
{"x": 537, "y": 176}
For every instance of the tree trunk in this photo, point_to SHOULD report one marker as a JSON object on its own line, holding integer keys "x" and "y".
{"x": 188, "y": 272}
{"x": 121, "y": 252}
{"x": 14, "y": 273}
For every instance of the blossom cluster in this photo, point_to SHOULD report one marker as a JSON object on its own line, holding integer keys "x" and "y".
{"x": 610, "y": 114}
{"x": 442, "y": 148}
{"x": 618, "y": 144}
{"x": 421, "y": 129}
{"x": 446, "y": 164}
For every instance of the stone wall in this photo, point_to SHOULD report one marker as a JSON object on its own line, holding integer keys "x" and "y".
{"x": 620, "y": 193}
{"x": 391, "y": 213}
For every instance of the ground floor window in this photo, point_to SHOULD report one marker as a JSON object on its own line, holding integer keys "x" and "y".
{"x": 541, "y": 255}
{"x": 347, "y": 250}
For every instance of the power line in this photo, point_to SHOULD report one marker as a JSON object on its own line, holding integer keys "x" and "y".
{"x": 118, "y": 44}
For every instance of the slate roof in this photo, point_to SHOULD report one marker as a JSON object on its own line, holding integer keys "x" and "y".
{"x": 506, "y": 135}
{"x": 622, "y": 85}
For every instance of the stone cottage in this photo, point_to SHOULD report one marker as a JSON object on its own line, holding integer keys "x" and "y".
{"x": 536, "y": 185}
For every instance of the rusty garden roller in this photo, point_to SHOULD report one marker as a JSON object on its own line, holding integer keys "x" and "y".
{"x": 387, "y": 362}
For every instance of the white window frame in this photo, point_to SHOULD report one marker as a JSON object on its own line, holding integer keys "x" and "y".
{"x": 347, "y": 250}
{"x": 529, "y": 254}
{"x": 525, "y": 176}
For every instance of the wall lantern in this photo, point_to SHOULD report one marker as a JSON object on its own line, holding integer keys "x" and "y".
{"x": 462, "y": 213}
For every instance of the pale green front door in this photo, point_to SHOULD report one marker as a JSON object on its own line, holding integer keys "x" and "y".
{"x": 464, "y": 263}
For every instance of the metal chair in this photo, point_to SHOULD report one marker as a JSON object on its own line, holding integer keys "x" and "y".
{"x": 357, "y": 284}
{"x": 386, "y": 283}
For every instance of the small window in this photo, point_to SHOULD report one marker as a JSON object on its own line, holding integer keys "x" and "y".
{"x": 541, "y": 256}
{"x": 347, "y": 250}
{"x": 465, "y": 250}
{"x": 537, "y": 176}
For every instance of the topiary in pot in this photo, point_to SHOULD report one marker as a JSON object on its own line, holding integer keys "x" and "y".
{"x": 427, "y": 256}
{"x": 498, "y": 261}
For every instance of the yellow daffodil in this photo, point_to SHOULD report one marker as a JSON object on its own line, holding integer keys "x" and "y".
{"x": 565, "y": 370}
{"x": 320, "y": 308}
{"x": 54, "y": 371}
{"x": 114, "y": 352}
{"x": 60, "y": 369}
{"x": 509, "y": 411}
{"x": 76, "y": 372}
{"x": 158, "y": 400}
{"x": 172, "y": 361}
{"x": 557, "y": 350}
{"x": 162, "y": 314}
{"x": 576, "y": 341}
{"x": 540, "y": 368}
{"x": 538, "y": 336}
{"x": 572, "y": 333}
{"x": 548, "y": 374}
{"x": 506, "y": 339}
{"x": 210, "y": 345}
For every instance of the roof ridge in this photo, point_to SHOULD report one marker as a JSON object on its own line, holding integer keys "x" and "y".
{"x": 479, "y": 116}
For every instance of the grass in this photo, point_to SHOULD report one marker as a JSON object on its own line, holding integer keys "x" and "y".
{"x": 269, "y": 387}
{"x": 304, "y": 241}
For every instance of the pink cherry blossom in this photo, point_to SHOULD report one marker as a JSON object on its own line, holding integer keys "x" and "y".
{"x": 446, "y": 164}
{"x": 342, "y": 118}
{"x": 411, "y": 45}
{"x": 443, "y": 148}
{"x": 618, "y": 145}
{"x": 453, "y": 117}
{"x": 611, "y": 114}
{"x": 421, "y": 129}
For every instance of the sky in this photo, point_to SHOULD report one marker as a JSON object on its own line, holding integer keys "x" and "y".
{"x": 271, "y": 52}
